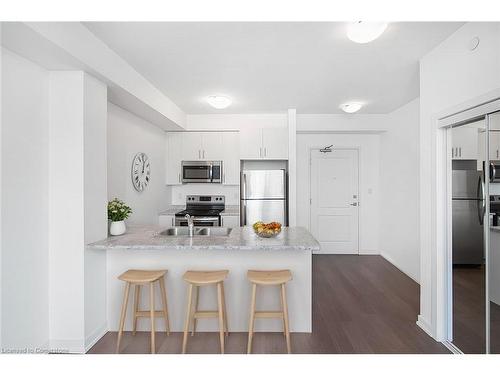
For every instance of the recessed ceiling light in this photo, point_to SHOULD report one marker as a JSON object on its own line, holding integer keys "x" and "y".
{"x": 351, "y": 107}
{"x": 219, "y": 102}
{"x": 364, "y": 32}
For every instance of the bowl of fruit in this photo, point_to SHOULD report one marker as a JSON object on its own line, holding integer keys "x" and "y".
{"x": 267, "y": 230}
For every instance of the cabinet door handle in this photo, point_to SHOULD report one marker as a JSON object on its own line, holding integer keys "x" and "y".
{"x": 199, "y": 154}
{"x": 265, "y": 151}
{"x": 260, "y": 151}
{"x": 203, "y": 154}
{"x": 497, "y": 153}
{"x": 460, "y": 152}
{"x": 222, "y": 220}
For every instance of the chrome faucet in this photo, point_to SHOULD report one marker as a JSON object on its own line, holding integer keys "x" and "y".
{"x": 189, "y": 219}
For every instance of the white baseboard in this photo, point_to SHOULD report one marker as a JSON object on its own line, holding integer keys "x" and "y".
{"x": 424, "y": 325}
{"x": 390, "y": 260}
{"x": 95, "y": 336}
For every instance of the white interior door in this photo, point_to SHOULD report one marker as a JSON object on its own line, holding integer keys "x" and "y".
{"x": 334, "y": 201}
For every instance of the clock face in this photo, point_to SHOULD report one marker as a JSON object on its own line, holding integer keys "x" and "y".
{"x": 141, "y": 171}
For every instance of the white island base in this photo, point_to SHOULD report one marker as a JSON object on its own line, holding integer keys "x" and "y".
{"x": 237, "y": 287}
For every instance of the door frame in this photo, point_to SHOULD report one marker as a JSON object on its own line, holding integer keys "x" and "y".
{"x": 344, "y": 148}
{"x": 443, "y": 284}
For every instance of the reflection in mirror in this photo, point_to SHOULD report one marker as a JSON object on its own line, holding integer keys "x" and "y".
{"x": 468, "y": 153}
{"x": 494, "y": 248}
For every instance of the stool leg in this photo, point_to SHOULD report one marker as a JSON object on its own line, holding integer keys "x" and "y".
{"x": 122, "y": 316}
{"x": 152, "y": 312}
{"x": 285, "y": 314}
{"x": 226, "y": 329}
{"x": 252, "y": 318}
{"x": 221, "y": 317}
{"x": 192, "y": 318}
{"x": 188, "y": 315}
{"x": 136, "y": 306}
{"x": 165, "y": 304}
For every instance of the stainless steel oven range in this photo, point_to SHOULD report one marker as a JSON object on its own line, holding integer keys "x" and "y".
{"x": 204, "y": 209}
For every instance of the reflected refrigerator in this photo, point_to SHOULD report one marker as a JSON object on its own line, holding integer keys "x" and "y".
{"x": 263, "y": 196}
{"x": 467, "y": 211}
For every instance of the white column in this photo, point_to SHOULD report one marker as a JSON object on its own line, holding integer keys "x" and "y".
{"x": 77, "y": 200}
{"x": 292, "y": 167}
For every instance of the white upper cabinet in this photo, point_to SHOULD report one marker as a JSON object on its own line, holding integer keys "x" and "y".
{"x": 250, "y": 143}
{"x": 231, "y": 159}
{"x": 275, "y": 143}
{"x": 211, "y": 146}
{"x": 202, "y": 146}
{"x": 266, "y": 143}
{"x": 174, "y": 158}
{"x": 191, "y": 143}
{"x": 465, "y": 143}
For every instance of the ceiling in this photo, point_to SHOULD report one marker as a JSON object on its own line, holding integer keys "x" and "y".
{"x": 273, "y": 66}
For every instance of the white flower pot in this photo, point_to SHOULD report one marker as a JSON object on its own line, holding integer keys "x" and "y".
{"x": 117, "y": 227}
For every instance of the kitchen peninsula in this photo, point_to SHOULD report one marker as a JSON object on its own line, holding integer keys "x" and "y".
{"x": 237, "y": 250}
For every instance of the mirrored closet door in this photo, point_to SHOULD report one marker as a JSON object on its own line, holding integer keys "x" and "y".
{"x": 475, "y": 258}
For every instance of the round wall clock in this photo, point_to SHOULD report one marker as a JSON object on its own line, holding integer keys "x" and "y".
{"x": 141, "y": 171}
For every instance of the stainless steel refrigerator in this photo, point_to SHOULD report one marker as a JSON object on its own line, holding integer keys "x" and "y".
{"x": 263, "y": 196}
{"x": 467, "y": 211}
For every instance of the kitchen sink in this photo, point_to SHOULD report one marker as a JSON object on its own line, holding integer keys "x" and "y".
{"x": 183, "y": 231}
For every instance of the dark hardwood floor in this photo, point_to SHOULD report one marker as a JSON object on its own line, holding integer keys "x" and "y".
{"x": 361, "y": 304}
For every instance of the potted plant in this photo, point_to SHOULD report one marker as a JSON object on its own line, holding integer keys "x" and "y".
{"x": 118, "y": 211}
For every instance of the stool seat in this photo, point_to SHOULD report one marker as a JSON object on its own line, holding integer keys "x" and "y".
{"x": 142, "y": 276}
{"x": 205, "y": 277}
{"x": 269, "y": 277}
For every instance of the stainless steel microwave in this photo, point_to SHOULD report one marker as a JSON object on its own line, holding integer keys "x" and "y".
{"x": 202, "y": 172}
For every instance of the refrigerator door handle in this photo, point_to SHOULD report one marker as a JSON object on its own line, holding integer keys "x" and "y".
{"x": 481, "y": 200}
{"x": 243, "y": 213}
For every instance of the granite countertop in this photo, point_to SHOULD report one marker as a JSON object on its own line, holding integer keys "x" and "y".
{"x": 146, "y": 237}
{"x": 231, "y": 210}
{"x": 172, "y": 210}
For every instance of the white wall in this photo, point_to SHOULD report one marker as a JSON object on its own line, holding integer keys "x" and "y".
{"x": 24, "y": 203}
{"x": 451, "y": 77}
{"x": 369, "y": 192}
{"x": 128, "y": 135}
{"x": 399, "y": 190}
{"x": 358, "y": 123}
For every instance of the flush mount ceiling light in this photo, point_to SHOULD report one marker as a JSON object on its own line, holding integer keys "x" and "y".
{"x": 365, "y": 32}
{"x": 219, "y": 102}
{"x": 351, "y": 107}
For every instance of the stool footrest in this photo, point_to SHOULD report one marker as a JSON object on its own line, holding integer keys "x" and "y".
{"x": 206, "y": 314}
{"x": 269, "y": 314}
{"x": 147, "y": 313}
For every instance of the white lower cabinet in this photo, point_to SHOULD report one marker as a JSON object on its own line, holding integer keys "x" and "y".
{"x": 166, "y": 221}
{"x": 230, "y": 221}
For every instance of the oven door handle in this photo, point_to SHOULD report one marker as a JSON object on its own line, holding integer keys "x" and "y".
{"x": 211, "y": 173}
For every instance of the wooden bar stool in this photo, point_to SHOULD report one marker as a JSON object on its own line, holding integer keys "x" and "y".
{"x": 139, "y": 278}
{"x": 266, "y": 278}
{"x": 204, "y": 278}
